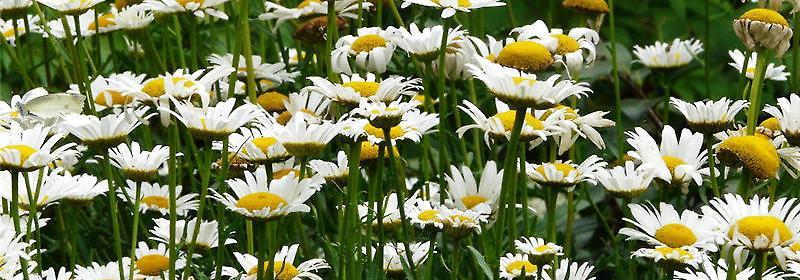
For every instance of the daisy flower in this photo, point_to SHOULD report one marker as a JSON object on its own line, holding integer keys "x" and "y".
{"x": 756, "y": 225}
{"x": 424, "y": 44}
{"x": 303, "y": 139}
{"x": 710, "y": 116}
{"x": 368, "y": 212}
{"x": 215, "y": 122}
{"x": 787, "y": 113}
{"x": 382, "y": 115}
{"x": 525, "y": 56}
{"x": 101, "y": 271}
{"x": 514, "y": 266}
{"x": 333, "y": 172}
{"x": 207, "y": 237}
{"x": 500, "y": 125}
{"x": 83, "y": 187}
{"x": 308, "y": 8}
{"x": 138, "y": 165}
{"x": 668, "y": 55}
{"x": 105, "y": 132}
{"x": 10, "y": 34}
{"x": 597, "y": 7}
{"x": 450, "y": 7}
{"x": 519, "y": 89}
{"x": 538, "y": 250}
{"x": 355, "y": 88}
{"x": 576, "y": 49}
{"x": 565, "y": 174}
{"x": 256, "y": 197}
{"x": 103, "y": 96}
{"x": 152, "y": 263}
{"x": 756, "y": 153}
{"x": 14, "y": 7}
{"x": 461, "y": 223}
{"x": 576, "y": 126}
{"x": 394, "y": 255}
{"x": 70, "y": 7}
{"x": 51, "y": 188}
{"x": 371, "y": 49}
{"x": 30, "y": 149}
{"x": 180, "y": 84}
{"x": 719, "y": 271}
{"x": 283, "y": 265}
{"x": 672, "y": 258}
{"x": 468, "y": 194}
{"x": 664, "y": 226}
{"x": 774, "y": 72}
{"x": 199, "y": 8}
{"x": 765, "y": 28}
{"x": 133, "y": 18}
{"x": 312, "y": 106}
{"x": 569, "y": 270}
{"x": 625, "y": 181}
{"x": 424, "y": 214}
{"x": 257, "y": 145}
{"x": 412, "y": 126}
{"x": 676, "y": 161}
{"x": 269, "y": 75}
{"x": 155, "y": 197}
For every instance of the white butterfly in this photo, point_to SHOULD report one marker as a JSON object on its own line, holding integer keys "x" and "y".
{"x": 52, "y": 105}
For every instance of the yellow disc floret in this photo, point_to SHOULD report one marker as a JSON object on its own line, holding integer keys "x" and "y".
{"x": 675, "y": 235}
{"x": 112, "y": 97}
{"x": 260, "y": 200}
{"x": 594, "y": 6}
{"x": 507, "y": 119}
{"x": 471, "y": 201}
{"x": 152, "y": 265}
{"x": 520, "y": 265}
{"x": 103, "y": 21}
{"x": 281, "y": 270}
{"x": 367, "y": 43}
{"x": 771, "y": 124}
{"x": 157, "y": 201}
{"x": 363, "y": 88}
{"x": 756, "y": 153}
{"x": 564, "y": 168}
{"x": 305, "y": 3}
{"x": 755, "y": 226}
{"x": 765, "y": 15}
{"x": 394, "y": 132}
{"x": 272, "y": 101}
{"x": 24, "y": 151}
{"x": 429, "y": 215}
{"x": 566, "y": 44}
{"x": 525, "y": 56}
{"x": 672, "y": 163}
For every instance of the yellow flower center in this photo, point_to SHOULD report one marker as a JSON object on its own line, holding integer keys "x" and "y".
{"x": 367, "y": 43}
{"x": 566, "y": 44}
{"x": 520, "y": 80}
{"x": 507, "y": 119}
{"x": 272, "y": 101}
{"x": 765, "y": 15}
{"x": 104, "y": 20}
{"x": 520, "y": 265}
{"x": 263, "y": 143}
{"x": 461, "y": 3}
{"x": 186, "y": 2}
{"x": 672, "y": 163}
{"x": 564, "y": 168}
{"x": 428, "y": 215}
{"x": 595, "y": 6}
{"x": 472, "y": 200}
{"x": 152, "y": 265}
{"x": 395, "y": 132}
{"x": 116, "y": 98}
{"x": 756, "y": 153}
{"x": 771, "y": 124}
{"x": 282, "y": 270}
{"x": 795, "y": 246}
{"x": 669, "y": 250}
{"x": 370, "y": 151}
{"x": 365, "y": 89}
{"x": 260, "y": 200}
{"x": 542, "y": 248}
{"x": 569, "y": 113}
{"x": 755, "y": 226}
{"x": 305, "y": 3}
{"x": 155, "y": 87}
{"x": 155, "y": 200}
{"x": 283, "y": 172}
{"x": 10, "y": 32}
{"x": 459, "y": 217}
{"x": 676, "y": 235}
{"x": 525, "y": 56}
{"x": 25, "y": 151}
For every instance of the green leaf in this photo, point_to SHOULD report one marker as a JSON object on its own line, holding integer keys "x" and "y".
{"x": 481, "y": 262}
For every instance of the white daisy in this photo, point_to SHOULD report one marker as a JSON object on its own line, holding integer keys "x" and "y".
{"x": 50, "y": 189}
{"x": 763, "y": 28}
{"x": 673, "y": 258}
{"x": 83, "y": 187}
{"x": 774, "y": 72}
{"x": 676, "y": 161}
{"x": 576, "y": 49}
{"x": 106, "y": 132}
{"x": 355, "y": 88}
{"x": 424, "y": 44}
{"x": 133, "y": 18}
{"x": 343, "y": 8}
{"x": 155, "y": 197}
{"x": 152, "y": 263}
{"x": 565, "y": 174}
{"x": 539, "y": 250}
{"x": 719, "y": 271}
{"x": 215, "y": 122}
{"x": 468, "y": 194}
{"x": 625, "y": 181}
{"x": 198, "y": 8}
{"x": 664, "y": 226}
{"x": 500, "y": 125}
{"x": 29, "y": 149}
{"x": 662, "y": 55}
{"x": 333, "y": 172}
{"x": 269, "y": 75}
{"x": 9, "y": 33}
{"x": 371, "y": 49}
{"x": 70, "y": 7}
{"x": 424, "y": 214}
{"x": 394, "y": 255}
{"x": 513, "y": 266}
{"x": 368, "y": 212}
{"x": 450, "y": 7}
{"x": 136, "y": 164}
{"x": 207, "y": 237}
{"x": 257, "y": 145}
{"x": 756, "y": 225}
{"x": 101, "y": 271}
{"x": 303, "y": 139}
{"x": 312, "y": 106}
{"x": 283, "y": 266}
{"x": 710, "y": 116}
{"x": 569, "y": 270}
{"x": 258, "y": 198}
{"x": 576, "y": 126}
{"x": 787, "y": 112}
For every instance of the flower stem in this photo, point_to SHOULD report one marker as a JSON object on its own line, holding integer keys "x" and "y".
{"x": 509, "y": 173}
{"x": 247, "y": 50}
{"x": 442, "y": 103}
{"x": 350, "y": 213}
{"x": 179, "y": 40}
{"x": 134, "y": 231}
{"x": 205, "y": 177}
{"x": 112, "y": 201}
{"x": 173, "y": 182}
{"x": 332, "y": 34}
{"x": 400, "y": 188}
{"x": 755, "y": 91}
{"x": 617, "y": 90}
{"x": 711, "y": 163}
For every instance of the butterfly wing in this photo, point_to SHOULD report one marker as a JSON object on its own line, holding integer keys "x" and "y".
{"x": 54, "y": 105}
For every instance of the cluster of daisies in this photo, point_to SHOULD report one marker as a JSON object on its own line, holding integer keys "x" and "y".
{"x": 329, "y": 160}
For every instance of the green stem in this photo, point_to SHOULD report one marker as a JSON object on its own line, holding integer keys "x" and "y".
{"x": 332, "y": 32}
{"x": 617, "y": 90}
{"x": 755, "y": 91}
{"x": 247, "y": 51}
{"x": 400, "y": 189}
{"x": 112, "y": 201}
{"x": 570, "y": 222}
{"x": 134, "y": 231}
{"x": 711, "y": 163}
{"x": 350, "y": 213}
{"x": 205, "y": 177}
{"x": 443, "y": 110}
{"x": 707, "y": 42}
{"x": 509, "y": 173}
{"x": 173, "y": 182}
{"x": 179, "y": 40}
